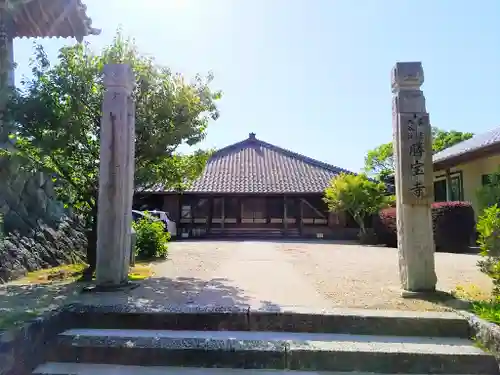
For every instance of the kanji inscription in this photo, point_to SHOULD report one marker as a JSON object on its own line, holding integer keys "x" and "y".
{"x": 416, "y": 158}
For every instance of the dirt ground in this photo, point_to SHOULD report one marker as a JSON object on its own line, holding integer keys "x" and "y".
{"x": 260, "y": 274}
{"x": 324, "y": 275}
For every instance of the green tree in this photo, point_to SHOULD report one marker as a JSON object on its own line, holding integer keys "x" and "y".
{"x": 379, "y": 162}
{"x": 357, "y": 195}
{"x": 57, "y": 123}
{"x": 442, "y": 139}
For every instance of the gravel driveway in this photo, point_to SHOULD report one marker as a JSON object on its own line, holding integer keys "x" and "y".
{"x": 315, "y": 274}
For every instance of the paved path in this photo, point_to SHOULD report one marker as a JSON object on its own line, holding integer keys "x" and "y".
{"x": 265, "y": 276}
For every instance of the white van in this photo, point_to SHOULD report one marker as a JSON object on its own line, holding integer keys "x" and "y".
{"x": 162, "y": 216}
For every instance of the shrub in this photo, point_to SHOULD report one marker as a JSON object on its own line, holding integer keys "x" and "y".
{"x": 385, "y": 227}
{"x": 151, "y": 238}
{"x": 453, "y": 226}
{"x": 488, "y": 227}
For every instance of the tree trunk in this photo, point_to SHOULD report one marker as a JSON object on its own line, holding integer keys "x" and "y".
{"x": 361, "y": 223}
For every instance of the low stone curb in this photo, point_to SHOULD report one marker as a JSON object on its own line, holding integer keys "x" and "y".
{"x": 23, "y": 348}
{"x": 486, "y": 333}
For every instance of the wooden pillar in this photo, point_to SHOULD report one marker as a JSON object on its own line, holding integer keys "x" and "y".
{"x": 210, "y": 213}
{"x": 301, "y": 209}
{"x": 191, "y": 215}
{"x": 238, "y": 217}
{"x": 285, "y": 221}
{"x": 223, "y": 214}
{"x": 449, "y": 196}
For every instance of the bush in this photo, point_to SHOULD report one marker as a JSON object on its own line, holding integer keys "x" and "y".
{"x": 453, "y": 226}
{"x": 151, "y": 239}
{"x": 385, "y": 227}
{"x": 488, "y": 227}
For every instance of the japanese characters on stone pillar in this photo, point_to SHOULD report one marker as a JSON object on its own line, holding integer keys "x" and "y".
{"x": 116, "y": 177}
{"x": 414, "y": 181}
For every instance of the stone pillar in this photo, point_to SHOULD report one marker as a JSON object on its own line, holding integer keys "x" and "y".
{"x": 6, "y": 73}
{"x": 414, "y": 181}
{"x": 116, "y": 174}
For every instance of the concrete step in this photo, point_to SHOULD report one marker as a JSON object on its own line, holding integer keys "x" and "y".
{"x": 55, "y": 368}
{"x": 242, "y": 318}
{"x": 272, "y": 350}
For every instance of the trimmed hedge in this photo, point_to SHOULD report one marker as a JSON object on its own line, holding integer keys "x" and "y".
{"x": 384, "y": 225}
{"x": 453, "y": 225}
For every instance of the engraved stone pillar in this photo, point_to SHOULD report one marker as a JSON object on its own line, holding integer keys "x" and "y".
{"x": 414, "y": 182}
{"x": 116, "y": 175}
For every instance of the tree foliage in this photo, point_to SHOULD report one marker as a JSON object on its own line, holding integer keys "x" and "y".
{"x": 357, "y": 195}
{"x": 489, "y": 194}
{"x": 442, "y": 139}
{"x": 488, "y": 228}
{"x": 379, "y": 162}
{"x": 57, "y": 117}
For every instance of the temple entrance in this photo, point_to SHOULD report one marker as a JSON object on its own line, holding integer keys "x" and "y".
{"x": 257, "y": 215}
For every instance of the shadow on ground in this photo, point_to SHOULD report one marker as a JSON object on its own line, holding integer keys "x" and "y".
{"x": 22, "y": 302}
{"x": 19, "y": 303}
{"x": 442, "y": 298}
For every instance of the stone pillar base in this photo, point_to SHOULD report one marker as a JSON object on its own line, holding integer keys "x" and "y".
{"x": 423, "y": 294}
{"x": 110, "y": 288}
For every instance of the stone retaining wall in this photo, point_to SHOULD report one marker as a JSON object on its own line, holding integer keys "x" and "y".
{"x": 38, "y": 232}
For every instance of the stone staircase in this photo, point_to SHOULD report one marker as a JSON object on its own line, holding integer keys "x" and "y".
{"x": 194, "y": 340}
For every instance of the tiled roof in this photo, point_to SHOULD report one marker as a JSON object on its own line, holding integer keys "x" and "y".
{"x": 254, "y": 166}
{"x": 50, "y": 18}
{"x": 473, "y": 144}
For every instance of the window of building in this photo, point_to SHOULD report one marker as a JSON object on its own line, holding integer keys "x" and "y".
{"x": 456, "y": 188}
{"x": 489, "y": 179}
{"x": 440, "y": 191}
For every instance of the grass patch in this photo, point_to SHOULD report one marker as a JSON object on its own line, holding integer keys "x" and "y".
{"x": 73, "y": 272}
{"x": 140, "y": 272}
{"x": 68, "y": 272}
{"x": 483, "y": 304}
{"x": 471, "y": 292}
{"x": 488, "y": 310}
{"x": 45, "y": 290}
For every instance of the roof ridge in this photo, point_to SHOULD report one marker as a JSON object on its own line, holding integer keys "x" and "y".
{"x": 305, "y": 159}
{"x": 292, "y": 154}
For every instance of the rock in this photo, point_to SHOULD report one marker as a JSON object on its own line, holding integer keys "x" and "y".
{"x": 39, "y": 232}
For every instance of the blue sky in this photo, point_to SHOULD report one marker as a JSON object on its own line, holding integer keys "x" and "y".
{"x": 313, "y": 75}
